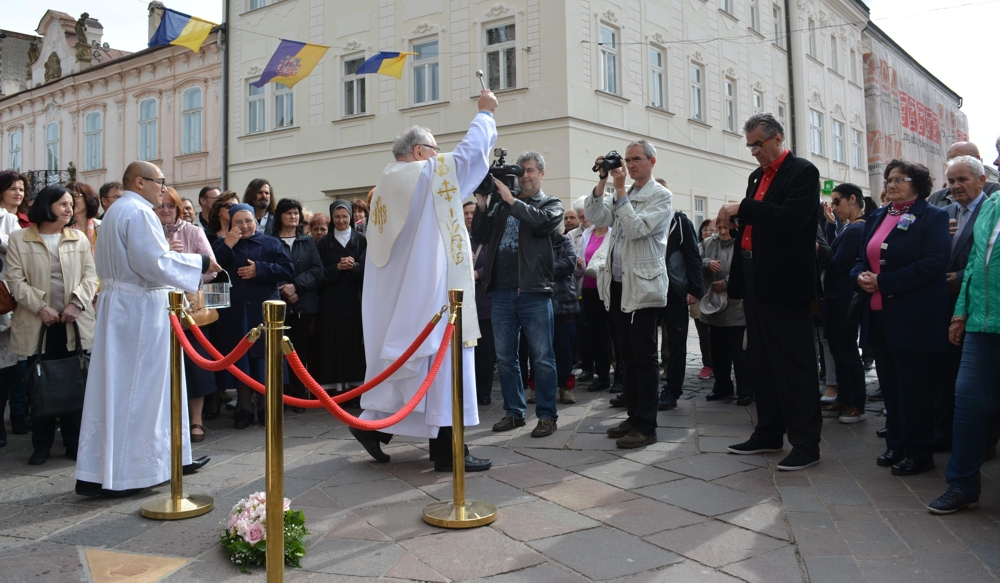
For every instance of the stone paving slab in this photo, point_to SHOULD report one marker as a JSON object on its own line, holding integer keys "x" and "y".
{"x": 573, "y": 507}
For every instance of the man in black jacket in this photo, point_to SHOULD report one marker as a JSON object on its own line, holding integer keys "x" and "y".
{"x": 775, "y": 275}
{"x": 519, "y": 274}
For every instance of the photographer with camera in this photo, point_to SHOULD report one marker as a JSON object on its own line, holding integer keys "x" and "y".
{"x": 519, "y": 274}
{"x": 633, "y": 281}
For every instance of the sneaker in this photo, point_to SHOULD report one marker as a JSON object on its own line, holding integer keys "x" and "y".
{"x": 531, "y": 397}
{"x": 798, "y": 460}
{"x": 667, "y": 401}
{"x": 831, "y": 410}
{"x": 706, "y": 373}
{"x": 754, "y": 445}
{"x": 635, "y": 439}
{"x": 566, "y": 397}
{"x": 508, "y": 423}
{"x": 852, "y": 415}
{"x": 545, "y": 428}
{"x": 620, "y": 430}
{"x": 952, "y": 501}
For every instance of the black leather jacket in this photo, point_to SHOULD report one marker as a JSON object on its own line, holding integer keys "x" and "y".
{"x": 564, "y": 298}
{"x": 540, "y": 217}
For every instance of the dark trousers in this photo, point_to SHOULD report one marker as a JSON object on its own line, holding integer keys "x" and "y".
{"x": 842, "y": 341}
{"x": 675, "y": 325}
{"x": 907, "y": 382}
{"x": 602, "y": 336}
{"x": 783, "y": 368}
{"x": 946, "y": 370}
{"x": 486, "y": 359}
{"x": 705, "y": 342}
{"x": 727, "y": 353}
{"x": 637, "y": 340}
{"x": 298, "y": 332}
{"x": 43, "y": 431}
{"x": 582, "y": 348}
{"x": 562, "y": 343}
{"x": 977, "y": 410}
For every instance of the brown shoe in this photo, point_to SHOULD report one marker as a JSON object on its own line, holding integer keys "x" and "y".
{"x": 635, "y": 439}
{"x": 197, "y": 437}
{"x": 530, "y": 398}
{"x": 545, "y": 428}
{"x": 832, "y": 409}
{"x": 566, "y": 397}
{"x": 508, "y": 423}
{"x": 620, "y": 430}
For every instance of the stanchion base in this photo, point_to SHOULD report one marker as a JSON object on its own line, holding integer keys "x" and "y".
{"x": 165, "y": 508}
{"x": 446, "y": 515}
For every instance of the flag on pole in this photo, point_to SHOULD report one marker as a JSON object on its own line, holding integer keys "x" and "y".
{"x": 291, "y": 63}
{"x": 385, "y": 63}
{"x": 177, "y": 28}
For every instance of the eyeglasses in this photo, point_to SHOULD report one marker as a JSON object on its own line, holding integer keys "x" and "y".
{"x": 754, "y": 148}
{"x": 161, "y": 181}
{"x": 168, "y": 205}
{"x": 835, "y": 201}
{"x": 635, "y": 160}
{"x": 897, "y": 180}
{"x": 435, "y": 148}
{"x": 229, "y": 205}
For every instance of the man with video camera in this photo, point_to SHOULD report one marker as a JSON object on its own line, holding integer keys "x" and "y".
{"x": 519, "y": 274}
{"x": 633, "y": 281}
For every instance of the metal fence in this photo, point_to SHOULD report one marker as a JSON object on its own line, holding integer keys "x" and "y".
{"x": 39, "y": 179}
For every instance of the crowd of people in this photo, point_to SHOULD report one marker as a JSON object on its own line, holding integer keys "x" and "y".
{"x": 792, "y": 299}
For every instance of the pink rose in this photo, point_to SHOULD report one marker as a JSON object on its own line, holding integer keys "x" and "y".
{"x": 255, "y": 534}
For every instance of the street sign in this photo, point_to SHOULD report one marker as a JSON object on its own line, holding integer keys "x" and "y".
{"x": 827, "y": 187}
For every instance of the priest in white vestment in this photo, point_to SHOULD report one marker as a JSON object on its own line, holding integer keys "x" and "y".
{"x": 125, "y": 428}
{"x": 418, "y": 249}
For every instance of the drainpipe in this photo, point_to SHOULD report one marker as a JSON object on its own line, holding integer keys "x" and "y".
{"x": 791, "y": 77}
{"x": 223, "y": 40}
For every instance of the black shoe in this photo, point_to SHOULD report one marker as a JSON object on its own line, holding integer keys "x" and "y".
{"x": 262, "y": 417}
{"x": 618, "y": 401}
{"x": 620, "y": 430}
{"x": 372, "y": 440}
{"x": 952, "y": 501}
{"x": 754, "y": 445}
{"x": 991, "y": 452}
{"x": 585, "y": 377}
{"x": 667, "y": 401}
{"x": 484, "y": 401}
{"x": 508, "y": 423}
{"x": 71, "y": 454}
{"x": 196, "y": 465}
{"x": 882, "y": 433}
{"x": 38, "y": 457}
{"x": 472, "y": 464}
{"x": 939, "y": 445}
{"x": 889, "y": 458}
{"x": 210, "y": 416}
{"x": 744, "y": 401}
{"x": 94, "y": 490}
{"x": 18, "y": 425}
{"x": 798, "y": 460}
{"x": 911, "y": 467}
{"x": 244, "y": 419}
{"x": 718, "y": 396}
{"x": 617, "y": 388}
{"x": 599, "y": 386}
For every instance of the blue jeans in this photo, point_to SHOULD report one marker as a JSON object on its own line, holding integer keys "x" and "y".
{"x": 977, "y": 403}
{"x": 532, "y": 311}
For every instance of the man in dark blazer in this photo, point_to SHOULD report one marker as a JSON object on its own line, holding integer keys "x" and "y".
{"x": 775, "y": 275}
{"x": 966, "y": 179}
{"x": 944, "y": 197}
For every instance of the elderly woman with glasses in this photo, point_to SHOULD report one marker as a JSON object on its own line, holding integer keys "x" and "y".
{"x": 901, "y": 272}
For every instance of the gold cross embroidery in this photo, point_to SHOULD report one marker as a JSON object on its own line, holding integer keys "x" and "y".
{"x": 447, "y": 190}
{"x": 380, "y": 214}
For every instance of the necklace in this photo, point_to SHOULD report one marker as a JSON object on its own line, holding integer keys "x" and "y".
{"x": 894, "y": 212}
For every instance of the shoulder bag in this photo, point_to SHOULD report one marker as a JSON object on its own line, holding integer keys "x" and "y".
{"x": 56, "y": 387}
{"x": 7, "y": 301}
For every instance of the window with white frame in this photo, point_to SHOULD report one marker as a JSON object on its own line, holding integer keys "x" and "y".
{"x": 426, "y": 79}
{"x": 726, "y": 5}
{"x": 501, "y": 56}
{"x": 781, "y": 113}
{"x": 657, "y": 85}
{"x": 255, "y": 4}
{"x": 700, "y": 210}
{"x": 854, "y": 66}
{"x": 839, "y": 149}
{"x": 778, "y": 24}
{"x": 256, "y": 109}
{"x": 812, "y": 39}
{"x": 730, "y": 104}
{"x": 758, "y": 101}
{"x": 816, "y": 132}
{"x": 609, "y": 60}
{"x": 147, "y": 129}
{"x": 284, "y": 106}
{"x": 834, "y": 54}
{"x": 754, "y": 15}
{"x": 15, "y": 151}
{"x": 697, "y": 92}
{"x": 92, "y": 141}
{"x": 354, "y": 87}
{"x": 191, "y": 109}
{"x": 858, "y": 147}
{"x": 52, "y": 146}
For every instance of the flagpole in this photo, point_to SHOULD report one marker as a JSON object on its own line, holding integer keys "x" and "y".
{"x": 223, "y": 37}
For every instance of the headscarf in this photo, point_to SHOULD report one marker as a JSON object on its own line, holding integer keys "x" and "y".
{"x": 342, "y": 236}
{"x": 240, "y": 207}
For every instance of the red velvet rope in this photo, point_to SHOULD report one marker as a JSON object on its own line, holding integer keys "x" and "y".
{"x": 202, "y": 362}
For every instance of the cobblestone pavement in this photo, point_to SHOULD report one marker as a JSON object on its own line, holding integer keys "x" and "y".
{"x": 572, "y": 508}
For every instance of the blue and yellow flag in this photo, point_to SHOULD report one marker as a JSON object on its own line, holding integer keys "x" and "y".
{"x": 291, "y": 63}
{"x": 177, "y": 28}
{"x": 385, "y": 63}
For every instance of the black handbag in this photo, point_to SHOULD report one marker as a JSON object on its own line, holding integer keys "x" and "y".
{"x": 858, "y": 302}
{"x": 56, "y": 387}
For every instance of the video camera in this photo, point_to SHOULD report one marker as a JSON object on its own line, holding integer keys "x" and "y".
{"x": 611, "y": 160}
{"x": 506, "y": 173}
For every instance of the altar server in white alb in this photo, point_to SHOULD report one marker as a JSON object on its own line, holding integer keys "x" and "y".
{"x": 125, "y": 429}
{"x": 418, "y": 249}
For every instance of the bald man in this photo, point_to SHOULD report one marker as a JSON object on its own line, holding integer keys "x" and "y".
{"x": 125, "y": 430}
{"x": 943, "y": 198}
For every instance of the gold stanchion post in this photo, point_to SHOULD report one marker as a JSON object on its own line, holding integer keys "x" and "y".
{"x": 176, "y": 506}
{"x": 274, "y": 326}
{"x": 459, "y": 512}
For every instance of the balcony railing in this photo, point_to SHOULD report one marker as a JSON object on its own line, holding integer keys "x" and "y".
{"x": 39, "y": 179}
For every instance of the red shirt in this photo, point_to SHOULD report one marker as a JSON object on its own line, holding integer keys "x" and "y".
{"x": 765, "y": 182}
